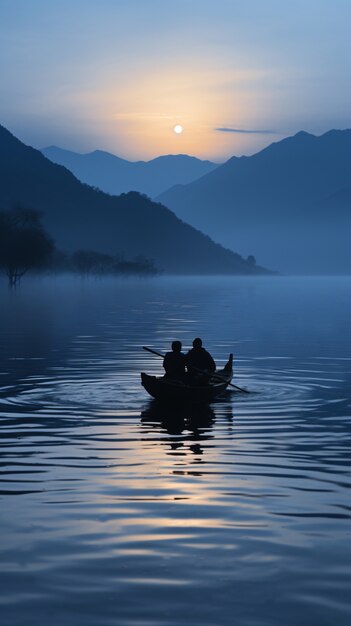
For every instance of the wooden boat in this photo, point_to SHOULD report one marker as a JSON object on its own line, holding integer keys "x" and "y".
{"x": 168, "y": 390}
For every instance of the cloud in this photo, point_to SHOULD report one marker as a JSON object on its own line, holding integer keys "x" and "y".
{"x": 246, "y": 131}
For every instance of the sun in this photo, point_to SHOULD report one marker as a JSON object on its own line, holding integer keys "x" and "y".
{"x": 178, "y": 129}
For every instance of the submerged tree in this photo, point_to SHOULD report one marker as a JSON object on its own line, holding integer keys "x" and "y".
{"x": 87, "y": 262}
{"x": 24, "y": 244}
{"x": 90, "y": 262}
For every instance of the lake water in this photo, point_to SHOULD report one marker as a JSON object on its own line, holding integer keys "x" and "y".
{"x": 111, "y": 514}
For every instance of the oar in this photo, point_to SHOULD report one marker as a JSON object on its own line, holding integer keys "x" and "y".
{"x": 201, "y": 371}
{"x": 153, "y": 352}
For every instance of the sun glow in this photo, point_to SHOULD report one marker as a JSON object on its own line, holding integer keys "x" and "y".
{"x": 153, "y": 108}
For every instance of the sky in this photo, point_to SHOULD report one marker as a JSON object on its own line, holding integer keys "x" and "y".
{"x": 118, "y": 75}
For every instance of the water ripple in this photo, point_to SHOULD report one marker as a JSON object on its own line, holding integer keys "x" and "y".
{"x": 119, "y": 511}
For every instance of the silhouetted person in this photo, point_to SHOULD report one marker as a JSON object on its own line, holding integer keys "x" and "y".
{"x": 199, "y": 359}
{"x": 175, "y": 362}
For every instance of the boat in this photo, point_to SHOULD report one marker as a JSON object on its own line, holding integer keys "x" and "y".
{"x": 168, "y": 390}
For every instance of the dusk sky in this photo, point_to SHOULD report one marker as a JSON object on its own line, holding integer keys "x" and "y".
{"x": 120, "y": 75}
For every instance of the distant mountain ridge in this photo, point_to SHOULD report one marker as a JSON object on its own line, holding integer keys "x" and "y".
{"x": 80, "y": 217}
{"x": 290, "y": 202}
{"x": 114, "y": 175}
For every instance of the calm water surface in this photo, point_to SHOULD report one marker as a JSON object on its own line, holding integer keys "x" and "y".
{"x": 113, "y": 513}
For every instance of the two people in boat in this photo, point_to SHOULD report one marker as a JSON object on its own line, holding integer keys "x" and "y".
{"x": 197, "y": 365}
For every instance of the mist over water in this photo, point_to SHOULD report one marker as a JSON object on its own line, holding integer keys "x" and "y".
{"x": 110, "y": 513}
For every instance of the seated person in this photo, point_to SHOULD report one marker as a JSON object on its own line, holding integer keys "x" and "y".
{"x": 199, "y": 362}
{"x": 174, "y": 363}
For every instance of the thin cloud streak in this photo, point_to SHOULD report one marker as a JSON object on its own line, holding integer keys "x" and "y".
{"x": 247, "y": 132}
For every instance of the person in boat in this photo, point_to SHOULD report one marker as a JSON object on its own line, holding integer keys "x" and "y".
{"x": 200, "y": 364}
{"x": 174, "y": 363}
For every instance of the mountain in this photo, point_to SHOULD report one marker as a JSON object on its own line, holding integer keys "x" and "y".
{"x": 291, "y": 203}
{"x": 115, "y": 175}
{"x": 78, "y": 216}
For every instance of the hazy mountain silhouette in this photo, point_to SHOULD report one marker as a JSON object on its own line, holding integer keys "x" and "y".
{"x": 78, "y": 216}
{"x": 291, "y": 203}
{"x": 115, "y": 175}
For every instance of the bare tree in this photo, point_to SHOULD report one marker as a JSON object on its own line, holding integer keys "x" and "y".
{"x": 24, "y": 244}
